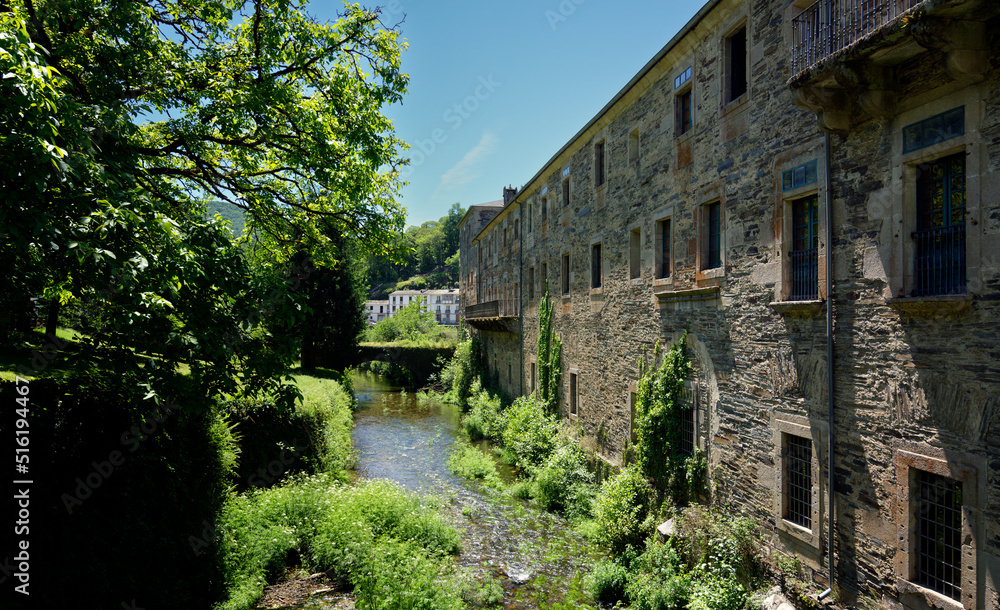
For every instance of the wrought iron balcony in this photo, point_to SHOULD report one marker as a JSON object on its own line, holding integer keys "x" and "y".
{"x": 503, "y": 308}
{"x": 829, "y": 26}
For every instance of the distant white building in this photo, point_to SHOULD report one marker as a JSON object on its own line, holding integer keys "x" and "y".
{"x": 443, "y": 304}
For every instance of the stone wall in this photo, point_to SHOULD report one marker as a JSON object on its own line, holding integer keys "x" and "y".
{"x": 916, "y": 380}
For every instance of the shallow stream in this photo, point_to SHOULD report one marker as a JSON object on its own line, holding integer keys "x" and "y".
{"x": 536, "y": 556}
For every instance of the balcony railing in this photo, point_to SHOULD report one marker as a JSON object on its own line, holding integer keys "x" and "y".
{"x": 805, "y": 274}
{"x": 831, "y": 25}
{"x": 503, "y": 308}
{"x": 939, "y": 267}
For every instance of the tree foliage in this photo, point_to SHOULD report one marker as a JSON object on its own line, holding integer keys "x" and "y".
{"x": 432, "y": 246}
{"x": 549, "y": 356}
{"x": 123, "y": 115}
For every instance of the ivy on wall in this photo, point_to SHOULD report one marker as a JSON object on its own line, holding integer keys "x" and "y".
{"x": 659, "y": 407}
{"x": 549, "y": 356}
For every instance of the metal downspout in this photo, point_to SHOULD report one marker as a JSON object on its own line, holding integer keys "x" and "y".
{"x": 831, "y": 529}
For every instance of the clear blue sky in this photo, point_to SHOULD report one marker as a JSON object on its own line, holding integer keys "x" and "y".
{"x": 503, "y": 85}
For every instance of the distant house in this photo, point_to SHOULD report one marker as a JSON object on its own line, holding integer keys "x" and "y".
{"x": 442, "y": 303}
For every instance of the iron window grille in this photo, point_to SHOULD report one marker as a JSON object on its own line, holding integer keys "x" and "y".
{"x": 804, "y": 257}
{"x": 714, "y": 213}
{"x": 939, "y": 240}
{"x": 798, "y": 481}
{"x": 939, "y": 534}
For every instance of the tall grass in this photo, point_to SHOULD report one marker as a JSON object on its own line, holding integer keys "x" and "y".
{"x": 374, "y": 538}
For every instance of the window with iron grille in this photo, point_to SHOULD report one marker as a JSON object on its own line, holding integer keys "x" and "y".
{"x": 939, "y": 241}
{"x": 565, "y": 274}
{"x": 595, "y": 266}
{"x": 798, "y": 480}
{"x": 804, "y": 256}
{"x": 598, "y": 163}
{"x": 663, "y": 262}
{"x": 713, "y": 216}
{"x": 939, "y": 534}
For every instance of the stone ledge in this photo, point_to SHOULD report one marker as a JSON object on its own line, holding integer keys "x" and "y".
{"x": 932, "y": 305}
{"x": 798, "y": 308}
{"x": 926, "y": 597}
{"x": 690, "y": 294}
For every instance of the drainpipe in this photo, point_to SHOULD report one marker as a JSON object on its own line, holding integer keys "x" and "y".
{"x": 829, "y": 366}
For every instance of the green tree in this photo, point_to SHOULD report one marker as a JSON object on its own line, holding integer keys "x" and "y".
{"x": 137, "y": 110}
{"x": 549, "y": 356}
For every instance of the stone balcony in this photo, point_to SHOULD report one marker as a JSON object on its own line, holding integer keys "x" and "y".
{"x": 844, "y": 52}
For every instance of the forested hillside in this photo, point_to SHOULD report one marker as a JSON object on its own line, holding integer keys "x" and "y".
{"x": 430, "y": 259}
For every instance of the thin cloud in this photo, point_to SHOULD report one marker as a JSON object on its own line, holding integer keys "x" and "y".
{"x": 466, "y": 170}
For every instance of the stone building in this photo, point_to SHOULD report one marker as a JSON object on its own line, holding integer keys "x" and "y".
{"x": 443, "y": 303}
{"x": 810, "y": 190}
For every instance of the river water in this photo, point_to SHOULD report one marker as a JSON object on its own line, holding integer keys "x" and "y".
{"x": 536, "y": 556}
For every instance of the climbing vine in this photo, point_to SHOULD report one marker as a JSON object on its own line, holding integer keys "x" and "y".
{"x": 549, "y": 356}
{"x": 659, "y": 407}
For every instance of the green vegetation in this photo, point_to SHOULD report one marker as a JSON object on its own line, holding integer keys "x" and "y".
{"x": 413, "y": 325}
{"x": 373, "y": 537}
{"x": 549, "y": 356}
{"x": 429, "y": 259}
{"x": 471, "y": 463}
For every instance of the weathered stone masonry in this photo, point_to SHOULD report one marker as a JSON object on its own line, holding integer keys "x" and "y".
{"x": 916, "y": 376}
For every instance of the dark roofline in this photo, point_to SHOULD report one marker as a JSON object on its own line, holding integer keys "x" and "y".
{"x": 646, "y": 69}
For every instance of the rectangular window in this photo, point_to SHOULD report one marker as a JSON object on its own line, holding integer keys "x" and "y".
{"x": 565, "y": 192}
{"x": 565, "y": 274}
{"x": 634, "y": 253}
{"x": 736, "y": 64}
{"x": 940, "y": 128}
{"x": 598, "y": 164}
{"x": 531, "y": 283}
{"x": 798, "y": 480}
{"x": 713, "y": 236}
{"x": 798, "y": 176}
{"x": 682, "y": 78}
{"x": 527, "y": 211}
{"x": 573, "y": 409}
{"x": 544, "y": 279}
{"x": 595, "y": 266}
{"x": 545, "y": 209}
{"x": 683, "y": 106}
{"x": 534, "y": 378}
{"x": 804, "y": 256}
{"x": 633, "y": 146}
{"x": 939, "y": 534}
{"x": 663, "y": 248}
{"x": 517, "y": 228}
{"x": 940, "y": 236}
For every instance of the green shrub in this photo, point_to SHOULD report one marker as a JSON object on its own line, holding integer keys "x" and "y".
{"x": 402, "y": 576}
{"x": 486, "y": 417}
{"x": 562, "y": 480}
{"x": 620, "y": 510}
{"x": 606, "y": 582}
{"x": 716, "y": 593}
{"x": 658, "y": 591}
{"x": 530, "y": 432}
{"x": 460, "y": 372}
{"x": 469, "y": 462}
{"x": 411, "y": 323}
